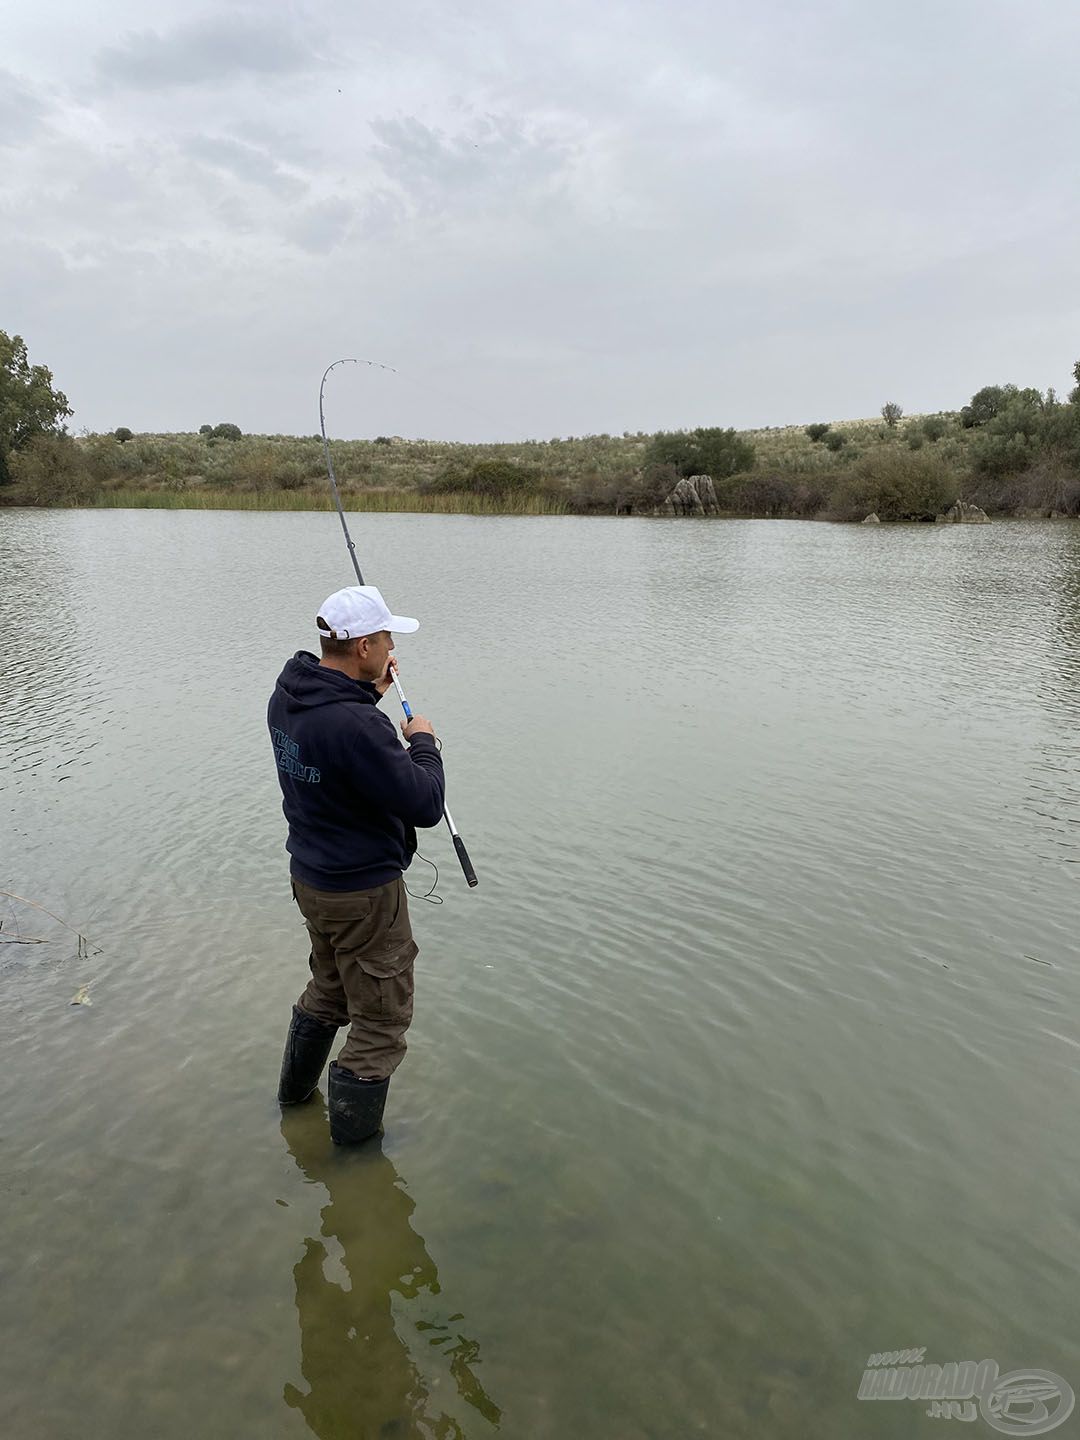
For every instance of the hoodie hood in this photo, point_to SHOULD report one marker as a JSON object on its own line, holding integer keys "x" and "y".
{"x": 307, "y": 685}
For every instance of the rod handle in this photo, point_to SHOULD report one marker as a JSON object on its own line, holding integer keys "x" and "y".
{"x": 466, "y": 863}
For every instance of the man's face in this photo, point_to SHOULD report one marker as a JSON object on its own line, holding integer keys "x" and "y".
{"x": 374, "y": 654}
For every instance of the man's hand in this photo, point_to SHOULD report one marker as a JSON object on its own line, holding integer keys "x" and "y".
{"x": 386, "y": 680}
{"x": 417, "y": 726}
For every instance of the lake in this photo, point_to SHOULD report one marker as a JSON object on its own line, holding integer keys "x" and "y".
{"x": 755, "y": 1052}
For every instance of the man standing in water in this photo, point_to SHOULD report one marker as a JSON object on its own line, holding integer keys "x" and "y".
{"x": 353, "y": 796}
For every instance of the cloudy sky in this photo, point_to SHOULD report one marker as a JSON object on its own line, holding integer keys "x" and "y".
{"x": 554, "y": 218}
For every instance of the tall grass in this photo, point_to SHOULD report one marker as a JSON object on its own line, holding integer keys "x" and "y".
{"x": 385, "y": 501}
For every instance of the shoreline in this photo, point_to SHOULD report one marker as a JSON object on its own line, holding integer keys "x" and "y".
{"x": 410, "y": 503}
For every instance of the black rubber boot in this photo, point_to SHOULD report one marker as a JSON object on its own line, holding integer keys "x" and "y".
{"x": 355, "y": 1105}
{"x": 307, "y": 1046}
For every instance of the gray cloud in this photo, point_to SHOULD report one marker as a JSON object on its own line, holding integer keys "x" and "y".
{"x": 204, "y": 52}
{"x": 552, "y": 218}
{"x": 321, "y": 227}
{"x": 247, "y": 163}
{"x": 492, "y": 157}
{"x": 21, "y": 112}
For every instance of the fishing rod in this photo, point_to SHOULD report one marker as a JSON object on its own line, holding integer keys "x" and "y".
{"x": 459, "y": 844}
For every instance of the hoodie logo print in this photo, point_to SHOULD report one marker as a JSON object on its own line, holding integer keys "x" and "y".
{"x": 288, "y": 758}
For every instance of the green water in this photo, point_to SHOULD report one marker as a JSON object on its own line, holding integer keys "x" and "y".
{"x": 755, "y": 1052}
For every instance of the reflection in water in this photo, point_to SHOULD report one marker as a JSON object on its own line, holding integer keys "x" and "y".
{"x": 363, "y": 1378}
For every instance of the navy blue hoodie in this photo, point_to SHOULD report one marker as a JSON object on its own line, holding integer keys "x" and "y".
{"x": 352, "y": 793}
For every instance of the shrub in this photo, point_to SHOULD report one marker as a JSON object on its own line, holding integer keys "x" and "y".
{"x": 227, "y": 431}
{"x": 206, "y": 429}
{"x": 492, "y": 477}
{"x": 760, "y": 493}
{"x": 50, "y": 470}
{"x": 1048, "y": 485}
{"x": 896, "y": 485}
{"x": 1010, "y": 440}
{"x": 708, "y": 450}
{"x": 892, "y": 413}
{"x": 817, "y": 431}
{"x": 934, "y": 427}
{"x": 289, "y": 475}
{"x": 123, "y": 434}
{"x": 835, "y": 440}
{"x": 985, "y": 404}
{"x": 254, "y": 467}
{"x": 655, "y": 483}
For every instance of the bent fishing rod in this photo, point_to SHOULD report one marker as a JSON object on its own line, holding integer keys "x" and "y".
{"x": 459, "y": 844}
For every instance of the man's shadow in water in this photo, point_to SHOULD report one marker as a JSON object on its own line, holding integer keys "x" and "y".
{"x": 362, "y": 1379}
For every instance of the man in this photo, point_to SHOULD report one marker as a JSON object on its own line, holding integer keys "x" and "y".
{"x": 353, "y": 796}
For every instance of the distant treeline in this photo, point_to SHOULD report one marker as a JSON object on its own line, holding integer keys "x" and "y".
{"x": 1013, "y": 451}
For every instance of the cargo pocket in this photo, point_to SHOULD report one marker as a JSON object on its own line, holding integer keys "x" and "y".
{"x": 385, "y": 962}
{"x": 395, "y": 946}
{"x": 387, "y": 965}
{"x": 386, "y": 987}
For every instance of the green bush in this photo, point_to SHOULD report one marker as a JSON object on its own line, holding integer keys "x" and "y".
{"x": 708, "y": 450}
{"x": 895, "y": 484}
{"x": 206, "y": 430}
{"x": 51, "y": 470}
{"x": 289, "y": 475}
{"x": 835, "y": 440}
{"x": 817, "y": 431}
{"x": 1012, "y": 438}
{"x": 654, "y": 483}
{"x": 985, "y": 404}
{"x": 227, "y": 431}
{"x": 492, "y": 477}
{"x": 29, "y": 405}
{"x": 123, "y": 434}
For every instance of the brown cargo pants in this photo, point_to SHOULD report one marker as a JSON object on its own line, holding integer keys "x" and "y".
{"x": 362, "y": 953}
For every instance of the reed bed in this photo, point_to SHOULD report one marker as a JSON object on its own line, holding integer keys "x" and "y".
{"x": 384, "y": 501}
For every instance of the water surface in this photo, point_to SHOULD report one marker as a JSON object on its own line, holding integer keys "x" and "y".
{"x": 755, "y": 1052}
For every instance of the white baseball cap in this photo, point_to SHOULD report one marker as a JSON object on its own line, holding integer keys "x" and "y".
{"x": 360, "y": 610}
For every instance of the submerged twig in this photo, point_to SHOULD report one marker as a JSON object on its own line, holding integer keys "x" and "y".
{"x": 84, "y": 943}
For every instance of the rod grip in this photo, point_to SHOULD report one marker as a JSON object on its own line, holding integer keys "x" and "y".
{"x": 466, "y": 863}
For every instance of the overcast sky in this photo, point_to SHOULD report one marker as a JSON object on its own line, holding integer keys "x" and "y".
{"x": 554, "y": 218}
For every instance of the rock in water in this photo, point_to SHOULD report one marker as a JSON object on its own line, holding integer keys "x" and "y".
{"x": 872, "y": 519}
{"x": 706, "y": 493}
{"x": 693, "y": 495}
{"x": 686, "y": 499}
{"x": 963, "y": 514}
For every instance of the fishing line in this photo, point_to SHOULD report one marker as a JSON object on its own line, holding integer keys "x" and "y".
{"x": 425, "y": 388}
{"x": 430, "y": 895}
{"x": 459, "y": 844}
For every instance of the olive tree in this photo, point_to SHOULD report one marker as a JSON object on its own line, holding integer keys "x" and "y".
{"x": 708, "y": 450}
{"x": 29, "y": 405}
